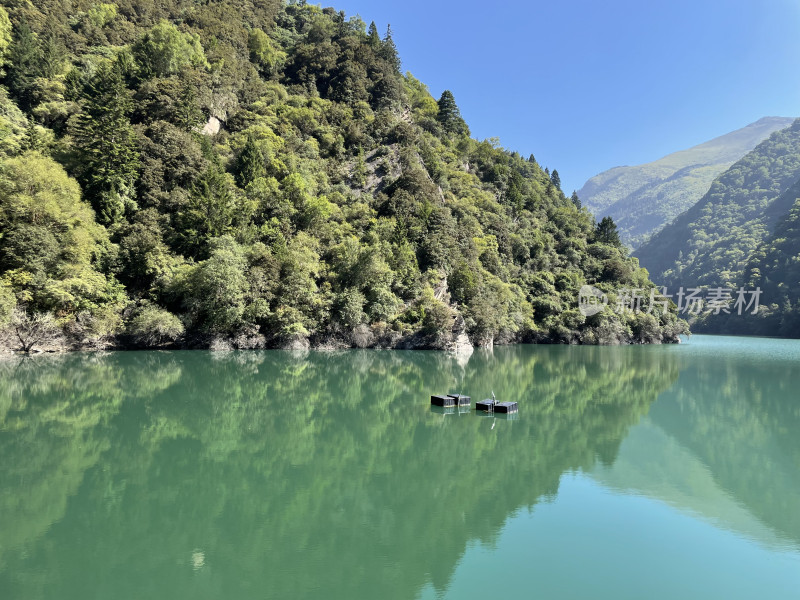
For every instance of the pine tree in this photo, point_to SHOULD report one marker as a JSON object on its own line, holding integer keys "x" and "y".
{"x": 360, "y": 170}
{"x": 449, "y": 114}
{"x": 575, "y": 200}
{"x": 210, "y": 212}
{"x": 24, "y": 65}
{"x": 6, "y": 35}
{"x": 31, "y": 141}
{"x": 107, "y": 145}
{"x": 389, "y": 51}
{"x": 187, "y": 110}
{"x": 52, "y": 56}
{"x": 373, "y": 37}
{"x": 556, "y": 179}
{"x": 250, "y": 164}
{"x": 606, "y": 232}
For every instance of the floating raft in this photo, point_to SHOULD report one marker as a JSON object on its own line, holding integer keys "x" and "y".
{"x": 485, "y": 405}
{"x": 442, "y": 400}
{"x": 450, "y": 400}
{"x": 460, "y": 399}
{"x": 497, "y": 407}
{"x": 506, "y": 407}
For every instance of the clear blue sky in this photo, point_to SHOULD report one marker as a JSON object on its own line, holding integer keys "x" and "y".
{"x": 586, "y": 85}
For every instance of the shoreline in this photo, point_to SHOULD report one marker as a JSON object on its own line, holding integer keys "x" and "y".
{"x": 457, "y": 345}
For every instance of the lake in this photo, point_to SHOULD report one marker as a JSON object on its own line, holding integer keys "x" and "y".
{"x": 629, "y": 472}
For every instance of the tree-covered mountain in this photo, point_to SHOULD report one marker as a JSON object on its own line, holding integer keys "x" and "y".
{"x": 745, "y": 232}
{"x": 642, "y": 199}
{"x": 251, "y": 173}
{"x": 774, "y": 268}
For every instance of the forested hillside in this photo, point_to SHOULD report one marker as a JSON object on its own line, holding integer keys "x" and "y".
{"x": 774, "y": 268}
{"x": 643, "y": 199}
{"x": 744, "y": 233}
{"x": 244, "y": 173}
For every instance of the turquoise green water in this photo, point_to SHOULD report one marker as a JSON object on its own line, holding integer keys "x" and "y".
{"x": 634, "y": 472}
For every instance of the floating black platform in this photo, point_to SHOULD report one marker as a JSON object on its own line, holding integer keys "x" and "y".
{"x": 497, "y": 407}
{"x": 441, "y": 400}
{"x": 485, "y": 405}
{"x": 460, "y": 399}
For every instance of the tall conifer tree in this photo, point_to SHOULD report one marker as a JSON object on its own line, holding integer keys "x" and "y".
{"x": 107, "y": 145}
{"x": 449, "y": 114}
{"x": 556, "y": 179}
{"x": 24, "y": 65}
{"x": 373, "y": 36}
{"x": 389, "y": 51}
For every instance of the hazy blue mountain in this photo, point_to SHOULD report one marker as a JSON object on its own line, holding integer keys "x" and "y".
{"x": 642, "y": 199}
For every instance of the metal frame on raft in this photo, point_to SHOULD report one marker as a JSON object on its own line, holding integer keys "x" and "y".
{"x": 490, "y": 405}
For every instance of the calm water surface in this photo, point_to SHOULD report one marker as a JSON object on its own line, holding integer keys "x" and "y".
{"x": 635, "y": 472}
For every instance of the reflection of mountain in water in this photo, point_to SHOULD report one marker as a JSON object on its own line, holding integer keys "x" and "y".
{"x": 265, "y": 474}
{"x": 653, "y": 464}
{"x": 723, "y": 443}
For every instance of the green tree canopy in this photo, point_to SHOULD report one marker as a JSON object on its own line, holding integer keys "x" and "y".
{"x": 6, "y": 35}
{"x": 51, "y": 243}
{"x": 164, "y": 50}
{"x": 605, "y": 232}
{"x": 24, "y": 64}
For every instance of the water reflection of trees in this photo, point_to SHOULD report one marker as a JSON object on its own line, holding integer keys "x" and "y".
{"x": 277, "y": 475}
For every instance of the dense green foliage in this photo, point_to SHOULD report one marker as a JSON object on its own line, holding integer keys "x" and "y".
{"x": 606, "y": 232}
{"x": 643, "y": 199}
{"x": 774, "y": 268}
{"x": 51, "y": 247}
{"x": 264, "y": 173}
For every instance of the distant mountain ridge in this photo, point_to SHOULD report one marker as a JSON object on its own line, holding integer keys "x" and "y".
{"x": 642, "y": 199}
{"x": 744, "y": 233}
{"x": 711, "y": 243}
